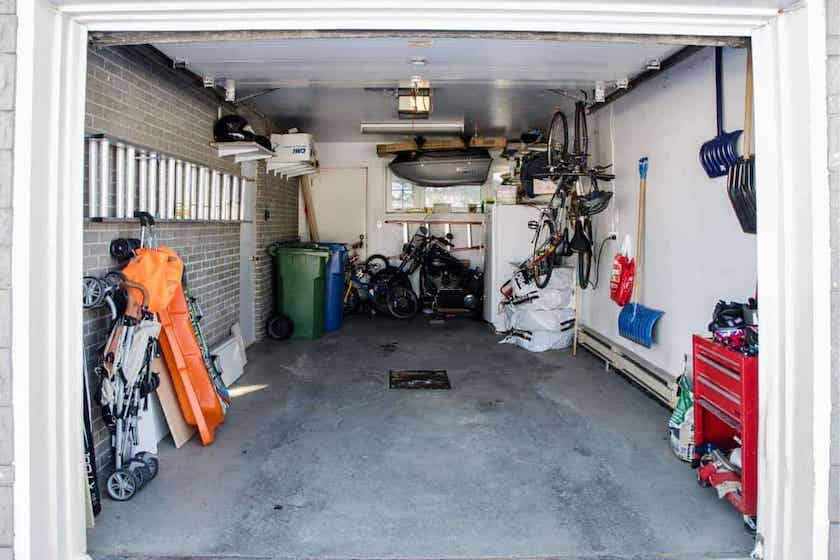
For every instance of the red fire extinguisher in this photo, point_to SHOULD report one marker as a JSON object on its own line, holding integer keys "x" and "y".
{"x": 621, "y": 277}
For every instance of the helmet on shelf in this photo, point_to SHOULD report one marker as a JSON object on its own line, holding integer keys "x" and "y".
{"x": 232, "y": 128}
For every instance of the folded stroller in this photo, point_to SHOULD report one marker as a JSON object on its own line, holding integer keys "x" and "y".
{"x": 126, "y": 381}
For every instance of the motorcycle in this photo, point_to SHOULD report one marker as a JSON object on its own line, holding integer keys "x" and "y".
{"x": 447, "y": 286}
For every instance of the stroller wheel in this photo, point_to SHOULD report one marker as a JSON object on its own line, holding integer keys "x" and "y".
{"x": 121, "y": 485}
{"x": 140, "y": 471}
{"x": 152, "y": 463}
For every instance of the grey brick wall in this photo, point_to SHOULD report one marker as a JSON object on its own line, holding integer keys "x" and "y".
{"x": 279, "y": 197}
{"x": 8, "y": 26}
{"x": 211, "y": 263}
{"x": 833, "y": 87}
{"x": 135, "y": 96}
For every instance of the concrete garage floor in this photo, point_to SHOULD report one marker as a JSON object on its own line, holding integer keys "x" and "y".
{"x": 528, "y": 455}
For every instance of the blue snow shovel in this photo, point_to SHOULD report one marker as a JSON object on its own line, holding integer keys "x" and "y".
{"x": 636, "y": 321}
{"x": 720, "y": 153}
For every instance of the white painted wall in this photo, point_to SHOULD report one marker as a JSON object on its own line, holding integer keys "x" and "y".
{"x": 695, "y": 251}
{"x": 381, "y": 237}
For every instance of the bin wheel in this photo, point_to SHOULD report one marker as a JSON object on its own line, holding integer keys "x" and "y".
{"x": 280, "y": 327}
{"x": 152, "y": 463}
{"x": 121, "y": 485}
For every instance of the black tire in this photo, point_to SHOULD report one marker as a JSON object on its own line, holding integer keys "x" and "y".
{"x": 279, "y": 327}
{"x": 140, "y": 471}
{"x": 584, "y": 266}
{"x": 580, "y": 144}
{"x": 558, "y": 139}
{"x": 542, "y": 266}
{"x": 152, "y": 463}
{"x": 375, "y": 263}
{"x": 381, "y": 284}
{"x": 402, "y": 302}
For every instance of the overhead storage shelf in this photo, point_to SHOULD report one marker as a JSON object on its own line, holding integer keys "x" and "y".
{"x": 294, "y": 155}
{"x": 242, "y": 151}
{"x": 292, "y": 169}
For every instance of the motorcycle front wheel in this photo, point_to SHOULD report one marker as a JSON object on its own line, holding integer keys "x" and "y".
{"x": 402, "y": 302}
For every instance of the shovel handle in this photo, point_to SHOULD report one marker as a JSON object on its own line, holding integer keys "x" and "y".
{"x": 719, "y": 88}
{"x": 748, "y": 105}
{"x": 640, "y": 226}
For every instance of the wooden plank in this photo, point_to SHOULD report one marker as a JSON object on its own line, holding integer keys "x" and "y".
{"x": 180, "y": 430}
{"x": 119, "y": 38}
{"x": 489, "y": 142}
{"x": 309, "y": 208}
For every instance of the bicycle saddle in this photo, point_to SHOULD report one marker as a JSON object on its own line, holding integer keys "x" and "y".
{"x": 580, "y": 243}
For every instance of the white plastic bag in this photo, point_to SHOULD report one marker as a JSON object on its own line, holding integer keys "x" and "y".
{"x": 540, "y": 341}
{"x": 529, "y": 319}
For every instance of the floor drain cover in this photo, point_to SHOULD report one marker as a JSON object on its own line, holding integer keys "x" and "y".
{"x": 419, "y": 379}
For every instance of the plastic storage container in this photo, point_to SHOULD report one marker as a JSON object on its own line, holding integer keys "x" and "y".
{"x": 292, "y": 148}
{"x": 299, "y": 276}
{"x": 334, "y": 286}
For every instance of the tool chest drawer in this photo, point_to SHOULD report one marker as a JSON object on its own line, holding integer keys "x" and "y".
{"x": 726, "y": 410}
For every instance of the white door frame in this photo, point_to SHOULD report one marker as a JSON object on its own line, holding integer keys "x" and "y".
{"x": 247, "y": 267}
{"x": 793, "y": 223}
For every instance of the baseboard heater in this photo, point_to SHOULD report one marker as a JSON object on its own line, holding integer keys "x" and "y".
{"x": 651, "y": 378}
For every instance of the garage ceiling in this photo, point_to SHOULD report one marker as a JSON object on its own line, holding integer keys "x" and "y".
{"x": 329, "y": 86}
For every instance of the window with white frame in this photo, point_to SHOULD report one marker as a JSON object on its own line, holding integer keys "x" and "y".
{"x": 405, "y": 196}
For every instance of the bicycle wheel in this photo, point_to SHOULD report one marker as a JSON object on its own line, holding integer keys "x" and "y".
{"x": 402, "y": 302}
{"x": 542, "y": 263}
{"x": 558, "y": 138}
{"x": 375, "y": 263}
{"x": 381, "y": 284}
{"x": 580, "y": 144}
{"x": 585, "y": 257}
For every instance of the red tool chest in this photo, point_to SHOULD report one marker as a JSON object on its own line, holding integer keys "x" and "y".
{"x": 726, "y": 408}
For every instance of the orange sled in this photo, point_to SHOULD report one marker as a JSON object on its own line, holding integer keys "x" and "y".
{"x": 196, "y": 394}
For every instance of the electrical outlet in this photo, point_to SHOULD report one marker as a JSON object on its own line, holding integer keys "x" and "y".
{"x": 612, "y": 235}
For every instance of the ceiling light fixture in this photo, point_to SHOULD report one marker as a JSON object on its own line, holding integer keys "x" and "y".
{"x": 413, "y": 127}
{"x": 418, "y": 61}
{"x": 414, "y": 99}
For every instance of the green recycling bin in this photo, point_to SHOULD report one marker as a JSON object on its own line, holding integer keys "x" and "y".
{"x": 299, "y": 276}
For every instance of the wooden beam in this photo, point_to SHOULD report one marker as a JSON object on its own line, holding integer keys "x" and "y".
{"x": 309, "y": 208}
{"x": 489, "y": 142}
{"x": 117, "y": 38}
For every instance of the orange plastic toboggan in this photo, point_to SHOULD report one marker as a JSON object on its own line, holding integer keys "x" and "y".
{"x": 196, "y": 394}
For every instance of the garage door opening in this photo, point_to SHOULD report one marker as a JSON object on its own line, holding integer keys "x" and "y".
{"x": 535, "y": 450}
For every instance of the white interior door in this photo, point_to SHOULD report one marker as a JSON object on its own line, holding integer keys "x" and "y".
{"x": 339, "y": 198}
{"x": 248, "y": 255}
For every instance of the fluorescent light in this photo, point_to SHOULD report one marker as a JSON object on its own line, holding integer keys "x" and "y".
{"x": 412, "y": 127}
